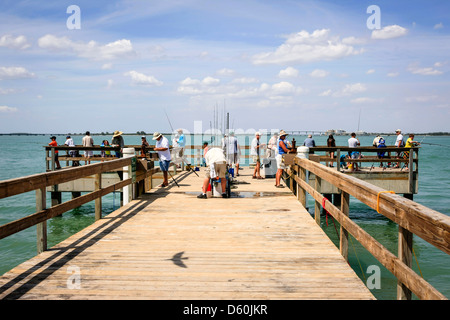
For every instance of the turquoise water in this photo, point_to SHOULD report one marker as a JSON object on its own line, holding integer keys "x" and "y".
{"x": 24, "y": 155}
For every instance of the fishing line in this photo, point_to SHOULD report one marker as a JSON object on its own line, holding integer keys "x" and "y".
{"x": 168, "y": 120}
{"x": 436, "y": 144}
{"x": 360, "y": 266}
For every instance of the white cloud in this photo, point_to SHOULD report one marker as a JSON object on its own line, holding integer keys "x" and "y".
{"x": 241, "y": 88}
{"x": 283, "y": 87}
{"x": 350, "y": 89}
{"x": 110, "y": 84}
{"x": 389, "y": 32}
{"x": 415, "y": 69}
{"x": 19, "y": 42}
{"x": 289, "y": 72}
{"x": 319, "y": 73}
{"x": 370, "y": 71}
{"x": 393, "y": 74}
{"x": 245, "y": 80}
{"x": 6, "y": 109}
{"x": 353, "y": 40}
{"x": 208, "y": 85}
{"x": 15, "y": 73}
{"x": 210, "y": 81}
{"x": 142, "y": 79}
{"x": 421, "y": 99}
{"x": 304, "y": 47}
{"x": 326, "y": 93}
{"x": 90, "y": 50}
{"x": 366, "y": 100}
{"x": 7, "y": 91}
{"x": 439, "y": 26}
{"x": 226, "y": 72}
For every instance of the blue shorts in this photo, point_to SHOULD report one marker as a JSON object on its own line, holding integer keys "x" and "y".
{"x": 355, "y": 155}
{"x": 164, "y": 165}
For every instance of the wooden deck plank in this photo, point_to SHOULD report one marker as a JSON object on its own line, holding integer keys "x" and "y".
{"x": 257, "y": 245}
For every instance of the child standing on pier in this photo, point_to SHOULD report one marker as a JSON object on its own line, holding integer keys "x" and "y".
{"x": 55, "y": 144}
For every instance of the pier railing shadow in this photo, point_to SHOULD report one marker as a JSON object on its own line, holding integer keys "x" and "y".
{"x": 63, "y": 255}
{"x": 131, "y": 173}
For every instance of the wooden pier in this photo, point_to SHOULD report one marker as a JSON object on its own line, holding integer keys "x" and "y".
{"x": 168, "y": 244}
{"x": 261, "y": 243}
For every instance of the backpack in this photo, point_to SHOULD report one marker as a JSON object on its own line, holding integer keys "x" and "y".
{"x": 381, "y": 144}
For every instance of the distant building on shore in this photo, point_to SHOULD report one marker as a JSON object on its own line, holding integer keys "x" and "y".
{"x": 334, "y": 132}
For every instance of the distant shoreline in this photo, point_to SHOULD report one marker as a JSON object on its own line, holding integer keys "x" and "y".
{"x": 169, "y": 133}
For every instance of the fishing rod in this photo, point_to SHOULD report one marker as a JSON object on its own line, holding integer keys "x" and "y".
{"x": 436, "y": 144}
{"x": 182, "y": 158}
{"x": 173, "y": 178}
{"x": 168, "y": 120}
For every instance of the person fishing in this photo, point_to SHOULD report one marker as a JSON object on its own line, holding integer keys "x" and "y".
{"x": 162, "y": 147}
{"x": 409, "y": 144}
{"x": 283, "y": 146}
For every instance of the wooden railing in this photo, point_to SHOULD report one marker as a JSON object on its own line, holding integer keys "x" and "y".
{"x": 411, "y": 217}
{"x": 390, "y": 155}
{"x": 40, "y": 182}
{"x": 64, "y": 156}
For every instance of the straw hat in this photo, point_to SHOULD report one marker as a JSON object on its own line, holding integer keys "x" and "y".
{"x": 156, "y": 135}
{"x": 282, "y": 133}
{"x": 117, "y": 133}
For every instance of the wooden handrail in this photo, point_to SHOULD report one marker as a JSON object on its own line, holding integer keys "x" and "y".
{"x": 430, "y": 225}
{"x": 37, "y": 181}
{"x": 40, "y": 182}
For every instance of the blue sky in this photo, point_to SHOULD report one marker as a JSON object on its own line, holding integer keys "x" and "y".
{"x": 293, "y": 65}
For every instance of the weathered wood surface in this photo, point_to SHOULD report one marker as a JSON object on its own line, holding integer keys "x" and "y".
{"x": 170, "y": 245}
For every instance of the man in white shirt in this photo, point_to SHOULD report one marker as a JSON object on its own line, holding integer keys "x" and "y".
{"x": 88, "y": 142}
{"x": 217, "y": 167}
{"x": 69, "y": 142}
{"x": 399, "y": 143}
{"x": 232, "y": 151}
{"x": 162, "y": 147}
{"x": 353, "y": 143}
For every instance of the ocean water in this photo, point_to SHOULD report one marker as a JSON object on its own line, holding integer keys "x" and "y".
{"x": 24, "y": 155}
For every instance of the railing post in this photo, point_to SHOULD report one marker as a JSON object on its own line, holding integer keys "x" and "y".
{"x": 41, "y": 228}
{"x": 53, "y": 159}
{"x": 405, "y": 242}
{"x": 291, "y": 178}
{"x": 302, "y": 195}
{"x": 317, "y": 205}
{"x": 302, "y": 153}
{"x": 127, "y": 173}
{"x": 411, "y": 184}
{"x": 338, "y": 159}
{"x": 343, "y": 241}
{"x": 98, "y": 201}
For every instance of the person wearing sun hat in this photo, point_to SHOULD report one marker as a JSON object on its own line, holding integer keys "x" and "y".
{"x": 162, "y": 147}
{"x": 282, "y": 144}
{"x": 255, "y": 152}
{"x": 117, "y": 141}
